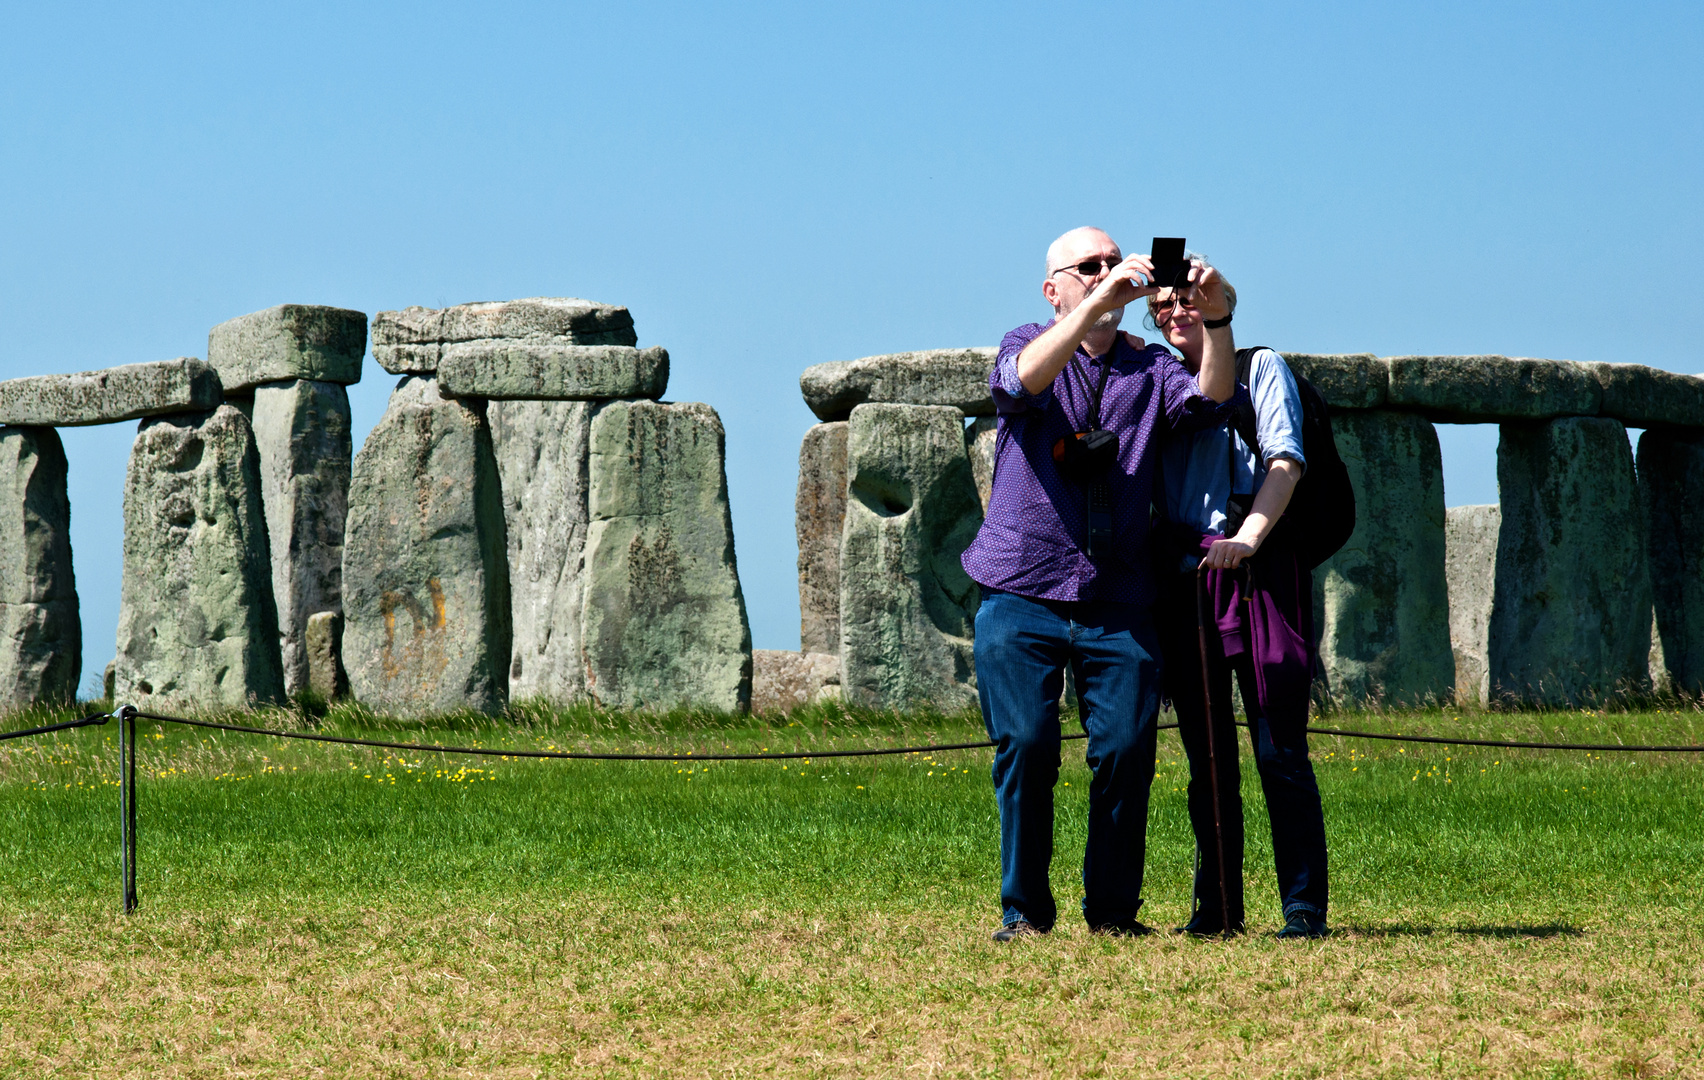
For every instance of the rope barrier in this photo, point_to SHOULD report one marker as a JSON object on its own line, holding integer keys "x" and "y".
{"x": 930, "y": 748}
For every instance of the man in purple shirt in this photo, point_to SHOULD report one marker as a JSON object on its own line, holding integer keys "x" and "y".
{"x": 1064, "y": 564}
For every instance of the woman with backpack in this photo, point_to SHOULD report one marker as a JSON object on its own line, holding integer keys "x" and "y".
{"x": 1237, "y": 597}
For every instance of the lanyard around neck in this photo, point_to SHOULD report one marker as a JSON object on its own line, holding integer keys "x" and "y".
{"x": 1099, "y": 386}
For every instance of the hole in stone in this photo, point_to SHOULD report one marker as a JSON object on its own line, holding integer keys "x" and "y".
{"x": 884, "y": 496}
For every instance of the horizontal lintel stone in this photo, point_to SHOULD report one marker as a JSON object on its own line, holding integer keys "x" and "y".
{"x": 534, "y": 370}
{"x": 112, "y": 395}
{"x": 955, "y": 377}
{"x": 569, "y": 320}
{"x": 290, "y": 341}
{"x": 1345, "y": 380}
{"x": 1483, "y": 389}
{"x": 1647, "y": 397}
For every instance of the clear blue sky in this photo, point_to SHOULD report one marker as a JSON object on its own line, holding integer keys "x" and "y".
{"x": 771, "y": 186}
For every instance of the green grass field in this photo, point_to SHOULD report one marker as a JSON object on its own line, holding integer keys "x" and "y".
{"x": 324, "y": 910}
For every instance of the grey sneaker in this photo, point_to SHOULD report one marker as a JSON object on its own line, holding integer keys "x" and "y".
{"x": 1013, "y": 931}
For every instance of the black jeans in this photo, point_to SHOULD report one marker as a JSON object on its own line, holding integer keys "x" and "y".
{"x": 1280, "y": 756}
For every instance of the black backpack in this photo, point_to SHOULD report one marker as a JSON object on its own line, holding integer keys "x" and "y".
{"x": 1321, "y": 514}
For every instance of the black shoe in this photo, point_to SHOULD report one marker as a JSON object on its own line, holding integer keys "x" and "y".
{"x": 1123, "y": 928}
{"x": 1304, "y": 924}
{"x": 1206, "y": 924}
{"x": 1020, "y": 929}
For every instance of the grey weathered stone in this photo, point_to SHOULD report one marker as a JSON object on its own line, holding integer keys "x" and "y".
{"x": 41, "y": 631}
{"x": 532, "y": 370}
{"x": 783, "y": 681}
{"x": 665, "y": 621}
{"x": 1647, "y": 397}
{"x": 197, "y": 627}
{"x": 425, "y": 573}
{"x": 979, "y": 440}
{"x": 291, "y": 341}
{"x": 1571, "y": 615}
{"x": 110, "y": 396}
{"x": 1671, "y": 482}
{"x": 409, "y": 359}
{"x": 1382, "y": 602}
{"x": 956, "y": 377}
{"x": 302, "y": 431}
{"x": 1344, "y": 380}
{"x": 564, "y": 319}
{"x": 1472, "y": 389}
{"x": 907, "y": 608}
{"x": 542, "y": 449}
{"x": 1662, "y": 680}
{"x": 819, "y": 513}
{"x": 323, "y": 642}
{"x": 1470, "y": 564}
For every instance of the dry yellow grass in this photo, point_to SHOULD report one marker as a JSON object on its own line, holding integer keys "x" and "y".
{"x": 525, "y": 992}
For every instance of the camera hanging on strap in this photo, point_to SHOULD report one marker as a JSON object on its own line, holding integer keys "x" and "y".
{"x": 1085, "y": 457}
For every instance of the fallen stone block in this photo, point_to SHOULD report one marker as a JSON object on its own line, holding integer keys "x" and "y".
{"x": 1346, "y": 380}
{"x": 302, "y": 431}
{"x": 819, "y": 513}
{"x": 1381, "y": 603}
{"x": 291, "y": 341}
{"x": 1571, "y": 613}
{"x": 425, "y": 570}
{"x": 531, "y": 370}
{"x": 1671, "y": 483}
{"x": 783, "y": 681}
{"x": 323, "y": 639}
{"x": 197, "y": 628}
{"x": 111, "y": 396}
{"x": 410, "y": 341}
{"x": 907, "y": 608}
{"x": 542, "y": 449}
{"x": 1480, "y": 389}
{"x": 955, "y": 377}
{"x": 665, "y": 620}
{"x": 1470, "y": 565}
{"x": 41, "y": 630}
{"x": 1647, "y": 397}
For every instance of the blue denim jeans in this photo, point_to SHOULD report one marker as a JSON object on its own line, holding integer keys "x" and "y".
{"x": 1022, "y": 648}
{"x": 1280, "y": 741}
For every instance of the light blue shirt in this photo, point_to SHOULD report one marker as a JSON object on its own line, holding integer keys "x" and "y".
{"x": 1200, "y": 468}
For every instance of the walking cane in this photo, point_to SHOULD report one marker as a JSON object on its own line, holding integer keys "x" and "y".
{"x": 1212, "y": 749}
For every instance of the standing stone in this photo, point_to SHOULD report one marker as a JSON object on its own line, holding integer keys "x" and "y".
{"x": 979, "y": 440}
{"x": 1571, "y": 615}
{"x": 1470, "y": 565}
{"x": 302, "y": 431}
{"x": 288, "y": 342}
{"x": 324, "y": 645}
{"x": 197, "y": 627}
{"x": 819, "y": 513}
{"x": 1382, "y": 602}
{"x": 41, "y": 632}
{"x": 425, "y": 577}
{"x": 784, "y": 681}
{"x": 1671, "y": 481}
{"x": 542, "y": 449}
{"x": 665, "y": 621}
{"x": 907, "y": 606}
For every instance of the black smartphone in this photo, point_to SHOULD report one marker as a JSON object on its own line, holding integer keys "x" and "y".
{"x": 1171, "y": 266}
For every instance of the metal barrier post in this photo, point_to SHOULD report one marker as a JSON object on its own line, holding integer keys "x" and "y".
{"x": 127, "y": 799}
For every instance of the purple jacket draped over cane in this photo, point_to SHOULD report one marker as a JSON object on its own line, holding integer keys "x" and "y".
{"x": 1267, "y": 613}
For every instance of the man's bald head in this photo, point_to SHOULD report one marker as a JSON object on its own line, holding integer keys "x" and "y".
{"x": 1074, "y": 246}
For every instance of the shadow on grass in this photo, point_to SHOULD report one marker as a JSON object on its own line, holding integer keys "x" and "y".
{"x": 1396, "y": 930}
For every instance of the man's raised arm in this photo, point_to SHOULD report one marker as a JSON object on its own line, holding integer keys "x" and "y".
{"x": 1044, "y": 358}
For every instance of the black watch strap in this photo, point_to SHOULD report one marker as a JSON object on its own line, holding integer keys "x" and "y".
{"x": 1214, "y": 324}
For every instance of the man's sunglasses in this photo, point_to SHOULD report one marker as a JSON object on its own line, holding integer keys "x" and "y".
{"x": 1090, "y": 268}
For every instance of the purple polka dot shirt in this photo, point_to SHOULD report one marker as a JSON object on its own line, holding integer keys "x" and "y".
{"x": 1034, "y": 539}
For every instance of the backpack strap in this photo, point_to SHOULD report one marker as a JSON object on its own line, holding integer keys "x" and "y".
{"x": 1243, "y": 418}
